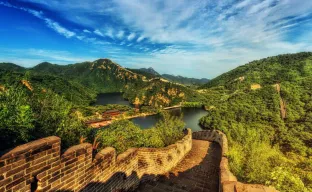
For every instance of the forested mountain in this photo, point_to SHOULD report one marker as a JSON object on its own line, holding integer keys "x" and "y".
{"x": 80, "y": 82}
{"x": 185, "y": 80}
{"x": 102, "y": 75}
{"x": 265, "y": 108}
{"x": 150, "y": 73}
{"x": 150, "y": 70}
{"x": 145, "y": 73}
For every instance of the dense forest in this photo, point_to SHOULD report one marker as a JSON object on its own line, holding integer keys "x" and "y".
{"x": 150, "y": 73}
{"x": 265, "y": 109}
{"x": 51, "y": 99}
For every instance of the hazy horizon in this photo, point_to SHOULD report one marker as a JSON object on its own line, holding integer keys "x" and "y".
{"x": 200, "y": 39}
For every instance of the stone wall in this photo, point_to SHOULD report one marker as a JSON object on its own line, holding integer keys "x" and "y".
{"x": 39, "y": 165}
{"x": 228, "y": 182}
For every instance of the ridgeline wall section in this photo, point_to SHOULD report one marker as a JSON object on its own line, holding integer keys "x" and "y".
{"x": 40, "y": 166}
{"x": 228, "y": 182}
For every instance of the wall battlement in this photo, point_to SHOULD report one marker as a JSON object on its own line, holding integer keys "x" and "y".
{"x": 228, "y": 182}
{"x": 39, "y": 165}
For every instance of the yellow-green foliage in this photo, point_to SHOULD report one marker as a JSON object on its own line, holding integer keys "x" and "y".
{"x": 124, "y": 134}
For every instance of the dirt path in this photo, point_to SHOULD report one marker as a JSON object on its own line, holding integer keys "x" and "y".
{"x": 197, "y": 172}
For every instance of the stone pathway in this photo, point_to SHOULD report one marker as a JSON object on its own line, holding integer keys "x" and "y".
{"x": 197, "y": 172}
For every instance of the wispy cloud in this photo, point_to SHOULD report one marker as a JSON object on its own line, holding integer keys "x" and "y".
{"x": 214, "y": 36}
{"x": 31, "y": 57}
{"x": 120, "y": 34}
{"x": 131, "y": 36}
{"x": 61, "y": 30}
{"x": 98, "y": 32}
{"x": 50, "y": 23}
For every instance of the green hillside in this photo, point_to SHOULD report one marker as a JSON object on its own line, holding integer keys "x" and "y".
{"x": 265, "y": 108}
{"x": 185, "y": 80}
{"x": 101, "y": 75}
{"x": 144, "y": 73}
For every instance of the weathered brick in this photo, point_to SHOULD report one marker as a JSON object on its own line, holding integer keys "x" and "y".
{"x": 19, "y": 175}
{"x": 14, "y": 183}
{"x": 5, "y": 169}
{"x": 16, "y": 170}
{"x": 35, "y": 167}
{"x": 5, "y": 181}
{"x": 19, "y": 186}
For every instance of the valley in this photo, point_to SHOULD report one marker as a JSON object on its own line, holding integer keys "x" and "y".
{"x": 263, "y": 107}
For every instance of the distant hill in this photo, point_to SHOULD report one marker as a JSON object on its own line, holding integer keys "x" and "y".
{"x": 150, "y": 70}
{"x": 102, "y": 75}
{"x": 71, "y": 90}
{"x": 268, "y": 71}
{"x": 265, "y": 109}
{"x": 11, "y": 67}
{"x": 146, "y": 73}
{"x": 150, "y": 73}
{"x": 185, "y": 80}
{"x": 80, "y": 82}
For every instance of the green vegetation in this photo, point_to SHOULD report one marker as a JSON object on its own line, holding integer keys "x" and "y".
{"x": 102, "y": 75}
{"x": 159, "y": 94}
{"x": 124, "y": 134}
{"x": 51, "y": 99}
{"x": 27, "y": 115}
{"x": 266, "y": 147}
{"x": 264, "y": 108}
{"x": 147, "y": 73}
{"x": 185, "y": 80}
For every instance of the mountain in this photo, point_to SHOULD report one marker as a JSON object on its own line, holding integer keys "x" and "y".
{"x": 265, "y": 109}
{"x": 72, "y": 91}
{"x": 268, "y": 71}
{"x": 185, "y": 80}
{"x": 80, "y": 82}
{"x": 147, "y": 74}
{"x": 102, "y": 75}
{"x": 150, "y": 73}
{"x": 11, "y": 67}
{"x": 150, "y": 70}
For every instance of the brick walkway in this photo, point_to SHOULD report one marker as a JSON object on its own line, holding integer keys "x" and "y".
{"x": 197, "y": 172}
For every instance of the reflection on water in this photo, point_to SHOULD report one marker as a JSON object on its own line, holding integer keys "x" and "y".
{"x": 191, "y": 117}
{"x": 111, "y": 98}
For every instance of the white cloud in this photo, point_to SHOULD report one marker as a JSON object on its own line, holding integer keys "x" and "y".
{"x": 242, "y": 4}
{"x": 98, "y": 32}
{"x": 86, "y": 31}
{"x": 61, "y": 30}
{"x": 50, "y": 23}
{"x": 214, "y": 36}
{"x": 131, "y": 36}
{"x": 120, "y": 34}
{"x": 140, "y": 38}
{"x": 31, "y": 57}
{"x": 110, "y": 32}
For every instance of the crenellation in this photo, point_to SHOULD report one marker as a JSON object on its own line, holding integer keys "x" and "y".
{"x": 41, "y": 161}
{"x": 228, "y": 182}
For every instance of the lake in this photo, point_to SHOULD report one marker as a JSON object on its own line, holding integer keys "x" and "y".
{"x": 191, "y": 117}
{"x": 111, "y": 98}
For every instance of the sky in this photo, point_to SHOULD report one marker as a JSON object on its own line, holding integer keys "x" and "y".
{"x": 192, "y": 38}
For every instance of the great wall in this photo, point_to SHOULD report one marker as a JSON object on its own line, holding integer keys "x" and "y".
{"x": 40, "y": 166}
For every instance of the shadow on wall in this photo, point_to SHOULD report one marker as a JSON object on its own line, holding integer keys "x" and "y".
{"x": 198, "y": 171}
{"x": 40, "y": 165}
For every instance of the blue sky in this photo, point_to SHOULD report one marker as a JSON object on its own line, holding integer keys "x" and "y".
{"x": 197, "y": 38}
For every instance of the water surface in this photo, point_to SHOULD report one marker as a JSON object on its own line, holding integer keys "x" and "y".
{"x": 191, "y": 118}
{"x": 111, "y": 98}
